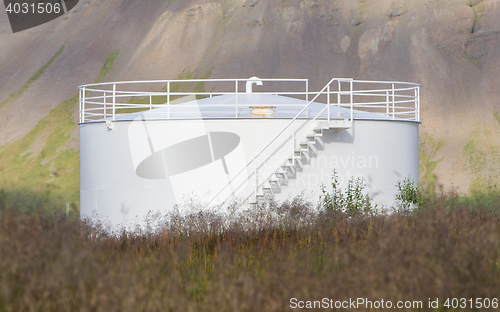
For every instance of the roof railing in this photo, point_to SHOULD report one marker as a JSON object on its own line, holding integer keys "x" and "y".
{"x": 105, "y": 101}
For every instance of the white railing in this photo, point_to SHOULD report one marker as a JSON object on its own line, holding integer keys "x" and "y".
{"x": 105, "y": 101}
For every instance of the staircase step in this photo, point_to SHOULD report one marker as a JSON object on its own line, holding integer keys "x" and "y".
{"x": 282, "y": 178}
{"x": 288, "y": 168}
{"x": 334, "y": 124}
{"x": 258, "y": 199}
{"x": 322, "y": 125}
{"x": 340, "y": 124}
{"x": 313, "y": 139}
{"x": 268, "y": 192}
{"x": 275, "y": 185}
{"x": 303, "y": 154}
{"x": 298, "y": 162}
{"x": 274, "y": 181}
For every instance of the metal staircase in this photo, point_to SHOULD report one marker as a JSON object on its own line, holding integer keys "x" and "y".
{"x": 273, "y": 184}
{"x": 395, "y": 102}
{"x": 301, "y": 157}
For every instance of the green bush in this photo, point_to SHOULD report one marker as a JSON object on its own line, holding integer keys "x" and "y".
{"x": 409, "y": 198}
{"x": 352, "y": 201}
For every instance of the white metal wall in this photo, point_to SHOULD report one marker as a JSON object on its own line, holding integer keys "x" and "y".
{"x": 111, "y": 190}
{"x": 381, "y": 151}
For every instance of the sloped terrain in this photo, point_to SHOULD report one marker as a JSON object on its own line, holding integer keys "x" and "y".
{"x": 450, "y": 47}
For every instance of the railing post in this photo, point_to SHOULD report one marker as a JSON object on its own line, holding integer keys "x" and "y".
{"x": 83, "y": 104}
{"x": 307, "y": 91}
{"x": 328, "y": 102}
{"x": 80, "y": 105}
{"x": 351, "y": 83}
{"x": 415, "y": 100}
{"x": 114, "y": 100}
{"x": 339, "y": 98}
{"x": 150, "y": 102}
{"x": 168, "y": 100}
{"x": 293, "y": 144}
{"x": 387, "y": 103}
{"x": 104, "y": 101}
{"x": 307, "y": 102}
{"x": 393, "y": 112}
{"x": 418, "y": 103}
{"x": 236, "y": 98}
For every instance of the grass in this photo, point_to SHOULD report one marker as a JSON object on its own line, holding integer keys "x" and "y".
{"x": 481, "y": 156}
{"x": 53, "y": 171}
{"x": 256, "y": 262}
{"x": 429, "y": 147}
{"x": 497, "y": 117}
{"x": 174, "y": 87}
{"x": 108, "y": 66}
{"x": 47, "y": 176}
{"x": 14, "y": 96}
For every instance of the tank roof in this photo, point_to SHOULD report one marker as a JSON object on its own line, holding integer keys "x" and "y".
{"x": 249, "y": 106}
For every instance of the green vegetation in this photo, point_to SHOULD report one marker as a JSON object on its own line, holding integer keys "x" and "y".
{"x": 42, "y": 163}
{"x": 497, "y": 117}
{"x": 428, "y": 150}
{"x": 353, "y": 201}
{"x": 482, "y": 157}
{"x": 255, "y": 262}
{"x": 108, "y": 66}
{"x": 197, "y": 87}
{"x": 409, "y": 198}
{"x": 476, "y": 157}
{"x": 31, "y": 80}
{"x": 42, "y": 171}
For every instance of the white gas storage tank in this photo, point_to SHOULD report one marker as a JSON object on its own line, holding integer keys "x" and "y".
{"x": 146, "y": 147}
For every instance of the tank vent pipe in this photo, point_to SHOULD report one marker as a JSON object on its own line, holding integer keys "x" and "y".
{"x": 250, "y": 82}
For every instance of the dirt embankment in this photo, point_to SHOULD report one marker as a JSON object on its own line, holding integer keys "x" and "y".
{"x": 451, "y": 47}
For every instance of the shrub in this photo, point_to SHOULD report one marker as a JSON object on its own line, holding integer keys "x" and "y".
{"x": 352, "y": 201}
{"x": 409, "y": 198}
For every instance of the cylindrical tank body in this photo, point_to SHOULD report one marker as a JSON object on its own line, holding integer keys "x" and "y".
{"x": 380, "y": 151}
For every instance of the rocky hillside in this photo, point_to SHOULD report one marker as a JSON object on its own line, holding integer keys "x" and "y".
{"x": 450, "y": 47}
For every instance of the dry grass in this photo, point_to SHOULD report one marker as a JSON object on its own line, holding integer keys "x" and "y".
{"x": 254, "y": 263}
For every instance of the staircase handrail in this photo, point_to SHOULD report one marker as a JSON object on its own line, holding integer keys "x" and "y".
{"x": 279, "y": 134}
